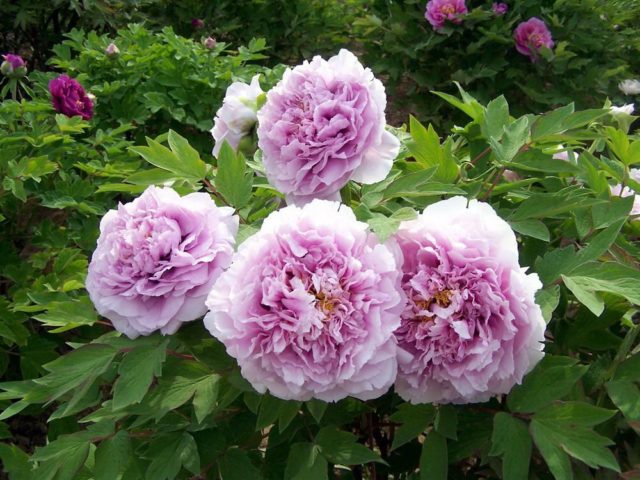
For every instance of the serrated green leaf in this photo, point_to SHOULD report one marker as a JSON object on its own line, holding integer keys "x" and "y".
{"x": 112, "y": 457}
{"x": 495, "y": 118}
{"x": 232, "y": 180}
{"x": 414, "y": 420}
{"x": 137, "y": 369}
{"x": 511, "y": 440}
{"x": 305, "y": 463}
{"x": 342, "y": 448}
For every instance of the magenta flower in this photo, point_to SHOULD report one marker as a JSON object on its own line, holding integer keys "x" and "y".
{"x": 621, "y": 191}
{"x": 13, "y": 66}
{"x": 323, "y": 125}
{"x": 197, "y": 23}
{"x": 531, "y": 36}
{"x": 439, "y": 11}
{"x": 69, "y": 97}
{"x": 309, "y": 306}
{"x": 471, "y": 328}
{"x": 499, "y": 8}
{"x": 157, "y": 258}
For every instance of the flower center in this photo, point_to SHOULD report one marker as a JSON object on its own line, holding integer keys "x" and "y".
{"x": 448, "y": 9}
{"x": 441, "y": 298}
{"x": 535, "y": 40}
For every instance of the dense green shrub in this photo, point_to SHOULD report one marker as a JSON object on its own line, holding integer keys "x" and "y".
{"x": 596, "y": 46}
{"x": 157, "y": 80}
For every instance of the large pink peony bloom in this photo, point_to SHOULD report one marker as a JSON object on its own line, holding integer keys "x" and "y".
{"x": 471, "y": 328}
{"x": 439, "y": 11}
{"x": 323, "y": 125}
{"x": 157, "y": 258}
{"x": 309, "y": 306}
{"x": 237, "y": 115}
{"x": 620, "y": 191}
{"x": 68, "y": 97}
{"x": 531, "y": 36}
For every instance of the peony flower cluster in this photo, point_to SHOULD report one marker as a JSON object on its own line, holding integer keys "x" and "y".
{"x": 157, "y": 258}
{"x": 237, "y": 115}
{"x": 622, "y": 191}
{"x": 69, "y": 97}
{"x": 531, "y": 36}
{"x": 13, "y": 66}
{"x": 322, "y": 125}
{"x": 471, "y": 328}
{"x": 309, "y": 306}
{"x": 438, "y": 12}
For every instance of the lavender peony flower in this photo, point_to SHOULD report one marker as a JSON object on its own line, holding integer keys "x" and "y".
{"x": 157, "y": 258}
{"x": 439, "y": 11}
{"x": 69, "y": 97}
{"x": 499, "y": 8}
{"x": 309, "y": 306}
{"x": 237, "y": 115}
{"x": 471, "y": 328}
{"x": 13, "y": 66}
{"x": 620, "y": 191}
{"x": 630, "y": 87}
{"x": 323, "y": 125}
{"x": 531, "y": 36}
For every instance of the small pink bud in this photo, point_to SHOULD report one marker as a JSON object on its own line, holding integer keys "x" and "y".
{"x": 209, "y": 43}
{"x": 197, "y": 23}
{"x": 112, "y": 50}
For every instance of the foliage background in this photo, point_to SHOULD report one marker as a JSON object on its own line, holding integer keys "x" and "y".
{"x": 80, "y": 402}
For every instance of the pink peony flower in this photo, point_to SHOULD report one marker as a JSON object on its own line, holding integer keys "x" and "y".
{"x": 499, "y": 8}
{"x": 237, "y": 115}
{"x": 309, "y": 306}
{"x": 69, "y": 97}
{"x": 439, "y": 11}
{"x": 620, "y": 191}
{"x": 531, "y": 36}
{"x": 157, "y": 258}
{"x": 471, "y": 328}
{"x": 323, "y": 125}
{"x": 13, "y": 66}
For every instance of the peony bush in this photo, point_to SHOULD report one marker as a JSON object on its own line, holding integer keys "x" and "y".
{"x": 308, "y": 292}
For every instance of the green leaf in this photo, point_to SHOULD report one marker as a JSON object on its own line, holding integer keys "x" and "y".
{"x": 232, "y": 180}
{"x": 446, "y": 423}
{"x": 342, "y": 448}
{"x": 548, "y": 299}
{"x": 557, "y": 460}
{"x": 187, "y": 155}
{"x": 624, "y": 395}
{"x": 169, "y": 454}
{"x": 305, "y": 463}
{"x": 552, "y": 379}
{"x": 532, "y": 228}
{"x": 316, "y": 408}
{"x": 81, "y": 366}
{"x": 512, "y": 441}
{"x": 578, "y": 413}
{"x": 434, "y": 457}
{"x": 515, "y": 136}
{"x": 236, "y": 465}
{"x": 160, "y": 156}
{"x": 409, "y": 182}
{"x": 15, "y": 462}
{"x": 414, "y": 420}
{"x": 496, "y": 116}
{"x": 112, "y": 456}
{"x": 288, "y": 412}
{"x": 206, "y": 396}
{"x": 551, "y": 123}
{"x": 269, "y": 410}
{"x": 136, "y": 371}
{"x": 426, "y": 149}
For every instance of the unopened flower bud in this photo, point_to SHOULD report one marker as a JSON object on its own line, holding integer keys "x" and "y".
{"x": 13, "y": 66}
{"x": 112, "y": 50}
{"x": 209, "y": 43}
{"x": 197, "y": 23}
